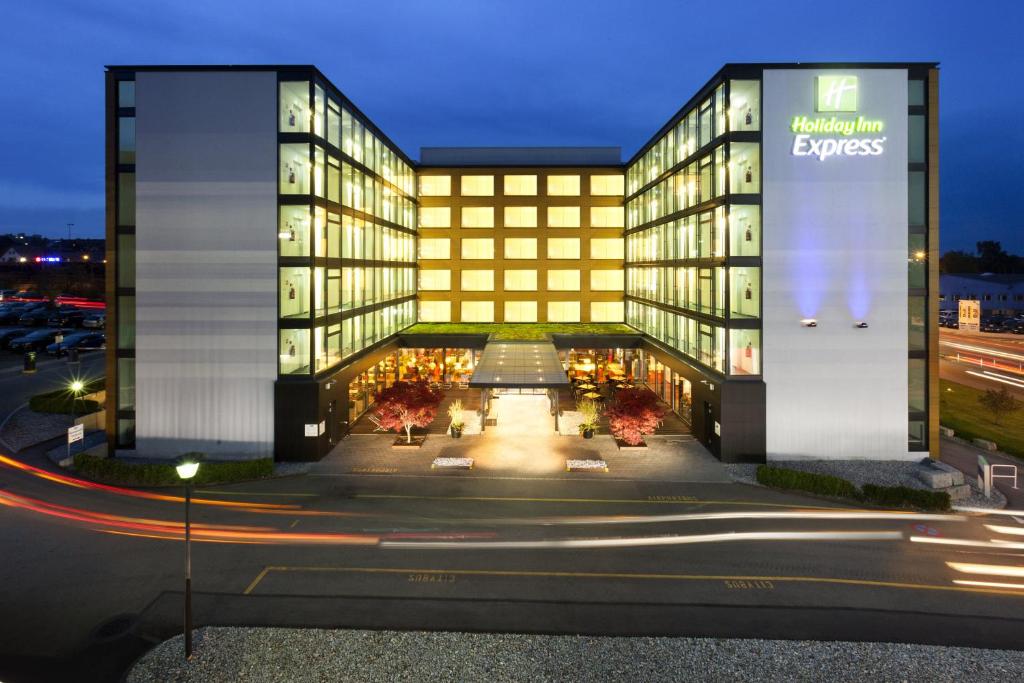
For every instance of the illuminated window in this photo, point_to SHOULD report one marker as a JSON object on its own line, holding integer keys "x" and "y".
{"x": 435, "y": 217}
{"x": 607, "y": 311}
{"x": 564, "y": 280}
{"x": 563, "y": 185}
{"x": 563, "y": 311}
{"x": 520, "y": 247}
{"x": 606, "y": 280}
{"x": 520, "y": 311}
{"x": 478, "y": 280}
{"x": 477, "y": 186}
{"x": 478, "y": 311}
{"x": 520, "y": 281}
{"x": 435, "y": 185}
{"x": 435, "y": 279}
{"x": 563, "y": 248}
{"x": 606, "y": 248}
{"x": 520, "y": 185}
{"x": 435, "y": 311}
{"x": 294, "y": 107}
{"x": 607, "y": 185}
{"x": 607, "y": 217}
{"x": 478, "y": 248}
{"x": 520, "y": 216}
{"x": 435, "y": 248}
{"x": 563, "y": 216}
{"x": 478, "y": 216}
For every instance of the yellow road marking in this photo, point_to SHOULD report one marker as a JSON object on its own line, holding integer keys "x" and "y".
{"x": 627, "y": 576}
{"x": 640, "y": 501}
{"x": 253, "y": 493}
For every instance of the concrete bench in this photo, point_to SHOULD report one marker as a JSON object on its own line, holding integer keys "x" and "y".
{"x": 586, "y": 466}
{"x": 984, "y": 443}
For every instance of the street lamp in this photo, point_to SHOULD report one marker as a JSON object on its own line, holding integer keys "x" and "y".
{"x": 76, "y": 388}
{"x": 187, "y": 468}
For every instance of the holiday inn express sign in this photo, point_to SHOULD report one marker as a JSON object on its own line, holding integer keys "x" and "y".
{"x": 822, "y": 137}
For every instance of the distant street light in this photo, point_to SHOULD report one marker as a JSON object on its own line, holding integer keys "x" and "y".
{"x": 187, "y": 468}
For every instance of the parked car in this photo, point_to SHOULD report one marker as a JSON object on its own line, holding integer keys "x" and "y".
{"x": 83, "y": 341}
{"x": 36, "y": 340}
{"x": 95, "y": 321}
{"x": 6, "y": 336}
{"x": 992, "y": 324}
{"x": 66, "y": 317}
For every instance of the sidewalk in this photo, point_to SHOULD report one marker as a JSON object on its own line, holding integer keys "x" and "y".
{"x": 964, "y": 457}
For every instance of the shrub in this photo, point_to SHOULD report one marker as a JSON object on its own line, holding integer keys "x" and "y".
{"x": 822, "y": 484}
{"x": 635, "y": 414}
{"x": 455, "y": 413}
{"x": 60, "y": 400}
{"x": 114, "y": 471}
{"x": 901, "y": 496}
{"x": 590, "y": 412}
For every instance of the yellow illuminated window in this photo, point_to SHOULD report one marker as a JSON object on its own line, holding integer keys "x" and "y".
{"x": 435, "y": 217}
{"x": 520, "y": 185}
{"x": 563, "y": 185}
{"x": 607, "y": 185}
{"x": 606, "y": 248}
{"x": 435, "y": 311}
{"x": 478, "y": 216}
{"x": 563, "y": 216}
{"x": 478, "y": 280}
{"x": 478, "y": 248}
{"x": 607, "y": 311}
{"x": 435, "y": 185}
{"x": 520, "y": 247}
{"x": 520, "y": 311}
{"x": 564, "y": 280}
{"x": 563, "y": 311}
{"x": 477, "y": 186}
{"x": 564, "y": 247}
{"x": 607, "y": 217}
{"x": 435, "y": 248}
{"x": 606, "y": 281}
{"x": 520, "y": 280}
{"x": 478, "y": 311}
{"x": 520, "y": 216}
{"x": 435, "y": 279}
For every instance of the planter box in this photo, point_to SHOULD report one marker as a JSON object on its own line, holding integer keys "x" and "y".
{"x": 452, "y": 464}
{"x": 401, "y": 443}
{"x": 623, "y": 446}
{"x": 586, "y": 466}
{"x": 985, "y": 443}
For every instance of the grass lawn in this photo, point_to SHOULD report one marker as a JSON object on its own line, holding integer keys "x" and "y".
{"x": 960, "y": 411}
{"x": 520, "y": 331}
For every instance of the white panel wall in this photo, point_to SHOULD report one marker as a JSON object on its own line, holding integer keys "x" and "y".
{"x": 835, "y": 249}
{"x": 206, "y": 342}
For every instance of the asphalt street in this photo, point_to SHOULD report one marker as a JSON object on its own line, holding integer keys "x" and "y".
{"x": 982, "y": 360}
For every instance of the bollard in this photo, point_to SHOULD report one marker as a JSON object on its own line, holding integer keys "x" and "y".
{"x": 72, "y": 355}
{"x": 30, "y": 362}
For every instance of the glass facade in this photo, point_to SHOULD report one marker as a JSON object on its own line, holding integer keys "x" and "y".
{"x": 123, "y": 305}
{"x": 693, "y": 232}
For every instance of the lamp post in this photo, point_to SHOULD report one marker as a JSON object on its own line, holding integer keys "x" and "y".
{"x": 187, "y": 468}
{"x": 76, "y": 388}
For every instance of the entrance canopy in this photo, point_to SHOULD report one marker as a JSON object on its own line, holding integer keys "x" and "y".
{"x": 519, "y": 364}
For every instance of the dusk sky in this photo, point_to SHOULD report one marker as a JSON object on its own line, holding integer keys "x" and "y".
{"x": 521, "y": 72}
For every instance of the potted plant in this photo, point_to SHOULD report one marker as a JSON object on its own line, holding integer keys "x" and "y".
{"x": 455, "y": 413}
{"x": 589, "y": 412}
{"x": 635, "y": 414}
{"x": 405, "y": 405}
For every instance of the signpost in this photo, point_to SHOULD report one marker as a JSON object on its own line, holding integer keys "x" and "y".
{"x": 984, "y": 476}
{"x": 75, "y": 433}
{"x": 970, "y": 314}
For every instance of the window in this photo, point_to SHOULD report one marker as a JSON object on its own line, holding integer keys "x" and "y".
{"x": 478, "y": 311}
{"x": 435, "y": 185}
{"x": 563, "y": 216}
{"x": 744, "y": 169}
{"x": 916, "y": 198}
{"x": 563, "y": 247}
{"x": 294, "y": 107}
{"x": 607, "y": 217}
{"x": 916, "y": 137}
{"x": 520, "y": 216}
{"x": 606, "y": 248}
{"x": 126, "y": 94}
{"x": 744, "y": 105}
{"x": 606, "y": 280}
{"x": 294, "y": 359}
{"x": 744, "y": 352}
{"x": 478, "y": 280}
{"x": 294, "y": 292}
{"x": 295, "y": 169}
{"x": 520, "y": 281}
{"x": 435, "y": 217}
{"x": 126, "y": 140}
{"x": 607, "y": 311}
{"x": 520, "y": 311}
{"x": 435, "y": 311}
{"x": 435, "y": 248}
{"x": 563, "y": 185}
{"x": 745, "y": 292}
{"x": 433, "y": 280}
{"x": 520, "y": 185}
{"x": 478, "y": 216}
{"x": 126, "y": 199}
{"x": 744, "y": 230}
{"x": 564, "y": 280}
{"x": 563, "y": 311}
{"x": 520, "y": 247}
{"x": 477, "y": 186}
{"x": 607, "y": 185}
{"x": 478, "y": 248}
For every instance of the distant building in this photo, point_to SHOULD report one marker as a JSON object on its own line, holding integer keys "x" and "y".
{"x": 998, "y": 294}
{"x": 12, "y": 256}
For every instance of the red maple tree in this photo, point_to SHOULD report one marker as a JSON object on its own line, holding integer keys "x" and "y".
{"x": 635, "y": 413}
{"x": 405, "y": 405}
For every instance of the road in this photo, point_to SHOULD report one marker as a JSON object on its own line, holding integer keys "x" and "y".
{"x": 982, "y": 360}
{"x": 51, "y": 373}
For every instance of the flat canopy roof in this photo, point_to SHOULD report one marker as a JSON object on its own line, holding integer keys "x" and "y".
{"x": 519, "y": 364}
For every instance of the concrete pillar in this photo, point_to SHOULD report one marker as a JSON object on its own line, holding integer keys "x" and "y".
{"x": 556, "y": 410}
{"x": 483, "y": 410}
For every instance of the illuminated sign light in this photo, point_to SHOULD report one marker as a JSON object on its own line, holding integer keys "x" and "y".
{"x": 47, "y": 259}
{"x": 836, "y": 94}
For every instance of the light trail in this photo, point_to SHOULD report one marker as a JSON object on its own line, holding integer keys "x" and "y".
{"x": 988, "y": 584}
{"x": 706, "y": 516}
{"x": 983, "y": 350}
{"x": 993, "y": 377}
{"x": 987, "y": 569}
{"x": 991, "y": 545}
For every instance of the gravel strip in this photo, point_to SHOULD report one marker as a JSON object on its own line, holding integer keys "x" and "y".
{"x": 276, "y": 654}
{"x": 27, "y": 428}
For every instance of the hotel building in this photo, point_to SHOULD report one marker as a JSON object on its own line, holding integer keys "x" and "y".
{"x": 766, "y": 263}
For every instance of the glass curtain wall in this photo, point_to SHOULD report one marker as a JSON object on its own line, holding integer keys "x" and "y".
{"x": 124, "y": 121}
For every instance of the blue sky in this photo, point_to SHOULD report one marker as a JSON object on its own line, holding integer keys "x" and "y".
{"x": 517, "y": 72}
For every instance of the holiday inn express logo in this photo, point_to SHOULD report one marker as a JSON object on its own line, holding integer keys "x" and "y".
{"x": 836, "y": 93}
